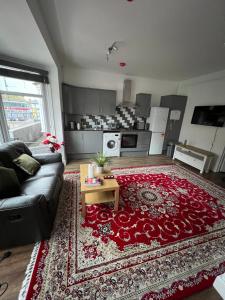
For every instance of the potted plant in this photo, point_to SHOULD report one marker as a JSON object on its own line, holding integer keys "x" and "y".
{"x": 100, "y": 161}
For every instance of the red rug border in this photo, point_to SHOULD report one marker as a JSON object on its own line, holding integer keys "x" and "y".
{"x": 187, "y": 291}
{"x": 43, "y": 245}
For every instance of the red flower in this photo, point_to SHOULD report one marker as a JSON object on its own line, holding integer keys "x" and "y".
{"x": 46, "y": 142}
{"x": 47, "y": 134}
{"x": 56, "y": 146}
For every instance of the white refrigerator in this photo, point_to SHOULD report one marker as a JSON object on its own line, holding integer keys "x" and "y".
{"x": 158, "y": 121}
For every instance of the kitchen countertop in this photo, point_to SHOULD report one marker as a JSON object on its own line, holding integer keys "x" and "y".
{"x": 111, "y": 130}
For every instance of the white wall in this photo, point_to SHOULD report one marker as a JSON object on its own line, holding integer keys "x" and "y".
{"x": 56, "y": 103}
{"x": 54, "y": 96}
{"x": 114, "y": 81}
{"x": 204, "y": 90}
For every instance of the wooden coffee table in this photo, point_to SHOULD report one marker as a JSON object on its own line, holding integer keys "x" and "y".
{"x": 107, "y": 192}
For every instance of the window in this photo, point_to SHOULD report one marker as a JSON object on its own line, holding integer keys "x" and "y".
{"x": 24, "y": 110}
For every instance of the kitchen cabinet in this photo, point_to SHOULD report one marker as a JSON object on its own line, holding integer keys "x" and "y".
{"x": 92, "y": 141}
{"x": 69, "y": 94}
{"x": 82, "y": 142}
{"x": 78, "y": 105}
{"x": 88, "y": 101}
{"x": 92, "y": 102}
{"x": 107, "y": 105}
{"x": 74, "y": 142}
{"x": 143, "y": 105}
{"x": 67, "y": 104}
{"x": 143, "y": 141}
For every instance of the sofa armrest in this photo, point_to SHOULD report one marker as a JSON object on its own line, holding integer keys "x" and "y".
{"x": 23, "y": 220}
{"x": 48, "y": 158}
{"x": 23, "y": 201}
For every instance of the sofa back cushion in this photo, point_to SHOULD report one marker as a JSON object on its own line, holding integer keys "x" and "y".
{"x": 9, "y": 183}
{"x": 9, "y": 152}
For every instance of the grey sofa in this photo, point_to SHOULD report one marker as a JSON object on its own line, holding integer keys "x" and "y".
{"x": 29, "y": 217}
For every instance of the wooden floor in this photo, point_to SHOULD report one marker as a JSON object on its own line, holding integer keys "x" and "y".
{"x": 13, "y": 268}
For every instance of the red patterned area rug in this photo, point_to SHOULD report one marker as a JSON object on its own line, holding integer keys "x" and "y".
{"x": 167, "y": 240}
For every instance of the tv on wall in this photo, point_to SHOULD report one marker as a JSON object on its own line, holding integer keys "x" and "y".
{"x": 209, "y": 115}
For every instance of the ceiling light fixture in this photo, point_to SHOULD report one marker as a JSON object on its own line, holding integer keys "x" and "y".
{"x": 111, "y": 49}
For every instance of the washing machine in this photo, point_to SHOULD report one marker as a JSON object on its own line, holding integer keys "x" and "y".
{"x": 111, "y": 143}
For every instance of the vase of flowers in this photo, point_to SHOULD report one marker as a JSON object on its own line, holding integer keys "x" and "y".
{"x": 51, "y": 141}
{"x": 100, "y": 161}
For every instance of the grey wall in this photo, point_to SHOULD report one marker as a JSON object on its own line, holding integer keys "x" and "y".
{"x": 174, "y": 102}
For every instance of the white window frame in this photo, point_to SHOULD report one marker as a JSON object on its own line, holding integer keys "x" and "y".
{"x": 4, "y": 134}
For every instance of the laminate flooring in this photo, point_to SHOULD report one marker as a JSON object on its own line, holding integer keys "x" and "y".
{"x": 12, "y": 269}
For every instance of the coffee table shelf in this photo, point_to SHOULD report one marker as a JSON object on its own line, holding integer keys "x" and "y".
{"x": 99, "y": 197}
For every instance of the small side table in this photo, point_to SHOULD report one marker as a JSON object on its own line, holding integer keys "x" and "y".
{"x": 108, "y": 192}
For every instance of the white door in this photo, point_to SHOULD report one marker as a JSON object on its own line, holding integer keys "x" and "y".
{"x": 156, "y": 144}
{"x": 158, "y": 119}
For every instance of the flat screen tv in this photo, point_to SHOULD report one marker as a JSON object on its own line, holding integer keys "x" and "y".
{"x": 209, "y": 115}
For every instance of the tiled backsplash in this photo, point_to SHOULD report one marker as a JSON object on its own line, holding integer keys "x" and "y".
{"x": 124, "y": 117}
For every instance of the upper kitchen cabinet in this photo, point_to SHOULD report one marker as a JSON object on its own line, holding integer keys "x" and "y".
{"x": 73, "y": 99}
{"x": 107, "y": 105}
{"x": 92, "y": 102}
{"x": 143, "y": 105}
{"x": 81, "y": 101}
{"x": 78, "y": 100}
{"x": 67, "y": 103}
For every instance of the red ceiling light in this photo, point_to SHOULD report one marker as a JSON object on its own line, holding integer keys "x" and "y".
{"x": 122, "y": 64}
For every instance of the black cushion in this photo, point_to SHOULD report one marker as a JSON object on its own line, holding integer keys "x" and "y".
{"x": 9, "y": 183}
{"x": 9, "y": 152}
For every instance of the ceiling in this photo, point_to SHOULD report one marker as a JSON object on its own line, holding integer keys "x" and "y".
{"x": 165, "y": 39}
{"x": 20, "y": 37}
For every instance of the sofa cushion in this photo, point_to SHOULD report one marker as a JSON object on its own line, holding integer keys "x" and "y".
{"x": 27, "y": 163}
{"x": 47, "y": 158}
{"x": 49, "y": 170}
{"x": 10, "y": 151}
{"x": 9, "y": 183}
{"x": 47, "y": 186}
